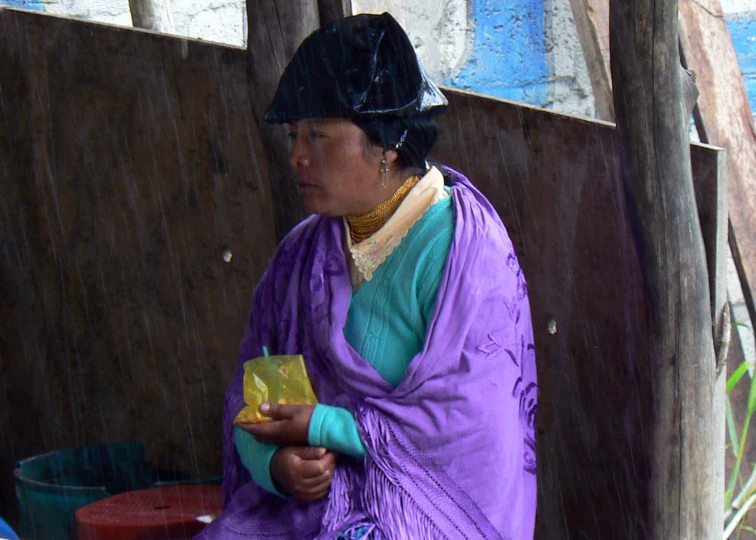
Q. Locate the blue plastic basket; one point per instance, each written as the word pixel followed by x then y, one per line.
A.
pixel 51 487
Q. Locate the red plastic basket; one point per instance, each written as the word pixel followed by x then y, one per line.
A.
pixel 174 512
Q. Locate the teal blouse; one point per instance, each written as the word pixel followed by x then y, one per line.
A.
pixel 387 325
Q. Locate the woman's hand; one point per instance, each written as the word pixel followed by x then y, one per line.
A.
pixel 305 473
pixel 289 426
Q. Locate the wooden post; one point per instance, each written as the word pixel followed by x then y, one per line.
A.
pixel 591 19
pixel 152 15
pixel 724 118
pixel 723 115
pixel 712 200
pixel 275 30
pixel 652 121
pixel 332 10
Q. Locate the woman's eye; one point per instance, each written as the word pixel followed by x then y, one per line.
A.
pixel 316 135
pixel 292 136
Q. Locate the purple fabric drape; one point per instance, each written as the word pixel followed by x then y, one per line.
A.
pixel 451 450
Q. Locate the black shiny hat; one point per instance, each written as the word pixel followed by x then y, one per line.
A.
pixel 361 66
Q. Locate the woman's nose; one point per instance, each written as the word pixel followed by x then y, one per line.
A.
pixel 299 156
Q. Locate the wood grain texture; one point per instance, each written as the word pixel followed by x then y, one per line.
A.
pixel 592 23
pixel 129 162
pixel 275 30
pixel 652 122
pixel 556 182
pixel 152 15
pixel 332 10
pixel 723 114
pixel 725 119
pixel 710 179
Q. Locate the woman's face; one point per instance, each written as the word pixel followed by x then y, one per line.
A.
pixel 338 170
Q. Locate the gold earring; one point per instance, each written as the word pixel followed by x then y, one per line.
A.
pixel 384 171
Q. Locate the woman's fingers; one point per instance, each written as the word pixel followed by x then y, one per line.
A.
pixel 315 492
pixel 255 429
pixel 330 458
pixel 289 426
pixel 312 478
pixel 322 483
pixel 309 452
pixel 283 411
pixel 305 472
pixel 316 496
pixel 276 432
pixel 312 468
pixel 277 411
pixel 315 481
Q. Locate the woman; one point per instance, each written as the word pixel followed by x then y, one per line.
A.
pixel 405 297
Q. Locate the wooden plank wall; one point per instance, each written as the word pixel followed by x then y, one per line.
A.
pixel 128 165
pixel 592 22
pixel 722 115
pixel 555 180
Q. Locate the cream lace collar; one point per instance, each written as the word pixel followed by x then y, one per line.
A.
pixel 369 254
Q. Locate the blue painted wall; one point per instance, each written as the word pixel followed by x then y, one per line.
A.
pixel 37 5
pixel 744 39
pixel 508 59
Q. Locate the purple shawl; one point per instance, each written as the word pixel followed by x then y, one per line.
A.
pixel 451 450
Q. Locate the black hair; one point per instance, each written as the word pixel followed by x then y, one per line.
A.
pixel 412 138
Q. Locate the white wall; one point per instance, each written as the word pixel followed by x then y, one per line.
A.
pixel 442 31
pixel 738 6
pixel 570 88
pixel 222 21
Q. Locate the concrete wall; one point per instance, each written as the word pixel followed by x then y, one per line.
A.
pixel 524 50
pixel 442 31
pixel 222 21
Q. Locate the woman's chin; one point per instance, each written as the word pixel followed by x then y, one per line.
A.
pixel 313 206
pixel 317 205
pixel 310 206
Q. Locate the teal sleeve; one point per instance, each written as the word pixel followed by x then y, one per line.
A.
pixel 334 428
pixel 432 272
pixel 256 458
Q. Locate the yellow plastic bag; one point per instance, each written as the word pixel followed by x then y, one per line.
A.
pixel 276 379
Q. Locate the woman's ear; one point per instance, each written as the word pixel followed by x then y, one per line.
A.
pixel 391 156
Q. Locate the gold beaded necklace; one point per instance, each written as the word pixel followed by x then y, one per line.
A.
pixel 366 225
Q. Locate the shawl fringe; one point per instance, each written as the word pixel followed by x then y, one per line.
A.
pixel 339 507
pixel 383 497
pixel 393 509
